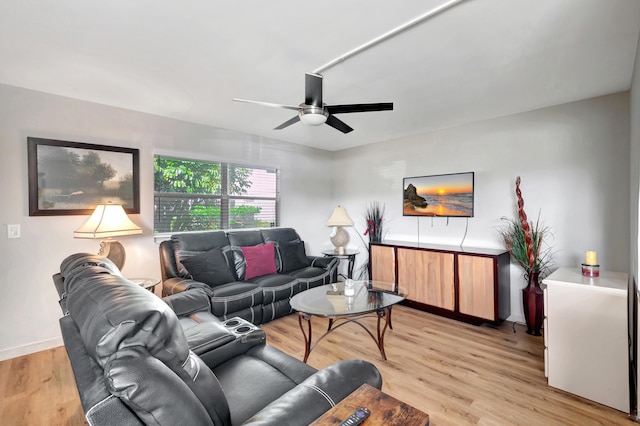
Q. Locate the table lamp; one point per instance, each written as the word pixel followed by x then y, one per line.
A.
pixel 339 236
pixel 106 221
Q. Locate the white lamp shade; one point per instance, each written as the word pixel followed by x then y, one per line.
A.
pixel 107 220
pixel 339 217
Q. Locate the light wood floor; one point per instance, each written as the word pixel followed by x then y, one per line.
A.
pixel 460 374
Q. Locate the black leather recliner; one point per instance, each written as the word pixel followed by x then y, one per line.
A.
pixel 138 359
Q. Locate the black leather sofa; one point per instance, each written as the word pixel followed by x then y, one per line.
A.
pixel 138 359
pixel 220 263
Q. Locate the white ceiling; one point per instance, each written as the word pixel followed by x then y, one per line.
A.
pixel 187 60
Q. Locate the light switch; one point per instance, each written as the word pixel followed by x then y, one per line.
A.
pixel 13 231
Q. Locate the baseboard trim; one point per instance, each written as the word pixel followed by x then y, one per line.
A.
pixel 30 348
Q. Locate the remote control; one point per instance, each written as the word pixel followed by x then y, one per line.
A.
pixel 357 417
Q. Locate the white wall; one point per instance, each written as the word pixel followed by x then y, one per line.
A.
pixel 29 311
pixel 573 160
pixel 634 197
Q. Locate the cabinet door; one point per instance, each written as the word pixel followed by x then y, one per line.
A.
pixel 476 291
pixel 427 277
pixel 383 264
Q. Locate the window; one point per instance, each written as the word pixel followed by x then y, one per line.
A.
pixel 194 195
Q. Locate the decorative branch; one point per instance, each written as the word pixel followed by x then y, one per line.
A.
pixel 374 218
pixel 525 240
pixel 525 226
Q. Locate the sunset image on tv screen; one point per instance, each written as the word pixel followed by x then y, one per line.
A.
pixel 439 195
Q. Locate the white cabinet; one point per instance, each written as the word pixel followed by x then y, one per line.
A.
pixel 585 334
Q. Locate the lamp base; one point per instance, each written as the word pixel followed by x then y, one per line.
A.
pixel 339 238
pixel 114 251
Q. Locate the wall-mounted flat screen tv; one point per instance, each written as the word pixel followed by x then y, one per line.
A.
pixel 449 195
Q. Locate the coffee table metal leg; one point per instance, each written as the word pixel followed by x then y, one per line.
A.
pixel 330 324
pixel 307 335
pixel 386 314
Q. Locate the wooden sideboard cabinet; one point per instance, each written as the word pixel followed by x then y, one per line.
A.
pixel 472 284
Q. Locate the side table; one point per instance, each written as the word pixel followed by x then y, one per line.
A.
pixel 385 410
pixel 147 283
pixel 350 255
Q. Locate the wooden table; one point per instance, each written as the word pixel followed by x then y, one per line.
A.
pixel 385 410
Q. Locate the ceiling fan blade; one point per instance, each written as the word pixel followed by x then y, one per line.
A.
pixel 338 124
pixel 313 89
pixel 268 104
pixel 343 109
pixel 288 123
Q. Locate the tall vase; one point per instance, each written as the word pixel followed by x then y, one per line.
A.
pixel 533 301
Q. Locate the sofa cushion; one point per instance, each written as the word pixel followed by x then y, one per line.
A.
pixel 277 287
pixel 192 243
pixel 210 267
pixel 235 288
pixel 245 238
pixel 236 297
pixel 236 258
pixel 199 241
pixel 260 260
pixel 291 256
pixel 308 272
pixel 279 235
pixel 277 371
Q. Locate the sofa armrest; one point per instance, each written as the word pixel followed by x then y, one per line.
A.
pixel 318 393
pixel 141 381
pixel 325 262
pixel 215 341
pixel 99 406
pixel 177 285
pixel 188 302
pixel 239 344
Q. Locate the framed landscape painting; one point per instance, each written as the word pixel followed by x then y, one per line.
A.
pixel 72 178
pixel 449 195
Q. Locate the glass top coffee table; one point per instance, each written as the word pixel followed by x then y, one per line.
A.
pixel 330 302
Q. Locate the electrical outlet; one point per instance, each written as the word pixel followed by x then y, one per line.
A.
pixel 13 231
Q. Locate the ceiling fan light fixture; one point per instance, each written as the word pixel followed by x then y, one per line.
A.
pixel 313 116
pixel 314 112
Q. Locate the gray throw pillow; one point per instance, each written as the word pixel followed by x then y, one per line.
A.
pixel 292 256
pixel 210 267
pixel 236 260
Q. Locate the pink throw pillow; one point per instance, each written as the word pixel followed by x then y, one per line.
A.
pixel 260 260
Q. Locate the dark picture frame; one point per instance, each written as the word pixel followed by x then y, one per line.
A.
pixel 72 178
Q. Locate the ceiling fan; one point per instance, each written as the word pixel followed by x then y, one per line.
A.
pixel 314 112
